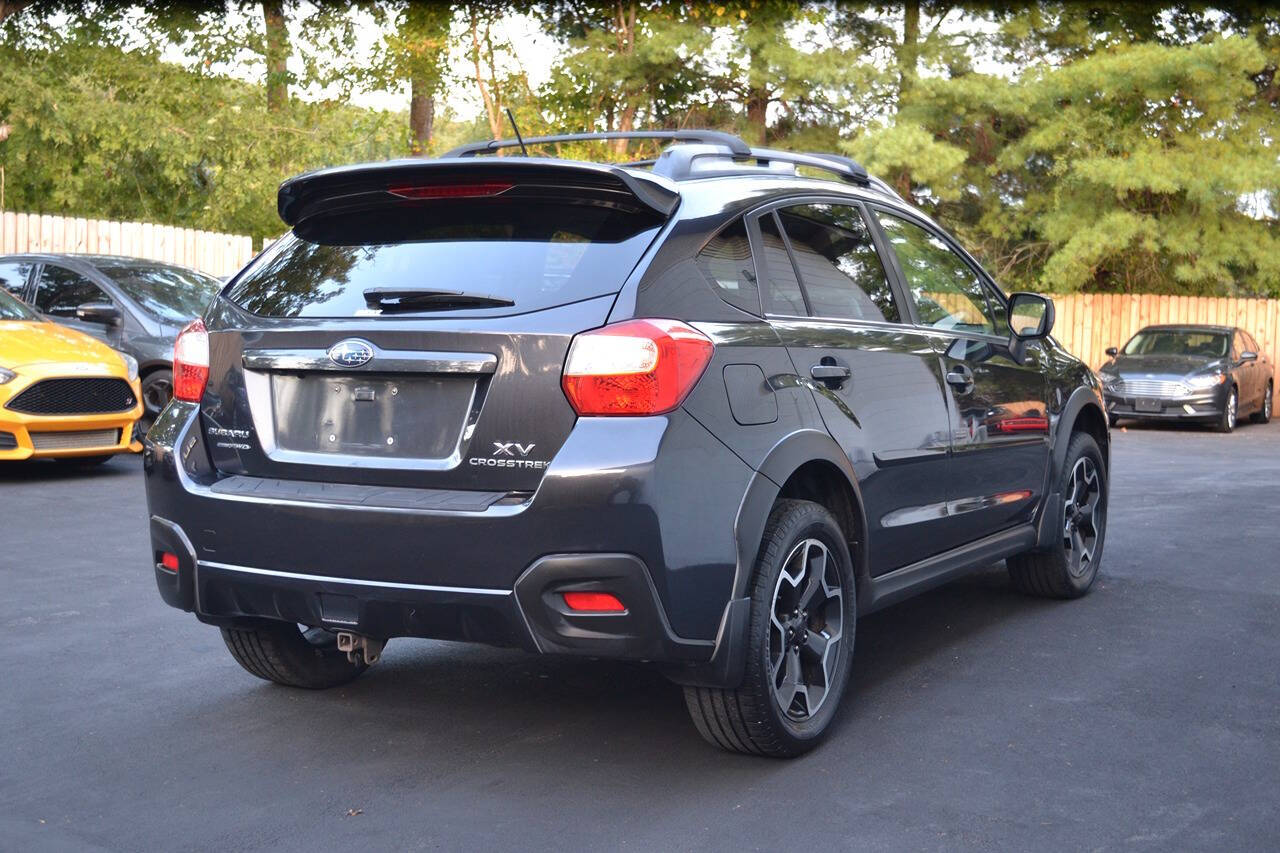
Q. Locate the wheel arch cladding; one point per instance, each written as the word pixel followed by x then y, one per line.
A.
pixel 1082 413
pixel 806 465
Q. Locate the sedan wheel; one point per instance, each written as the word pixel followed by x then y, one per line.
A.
pixel 157 389
pixel 1228 420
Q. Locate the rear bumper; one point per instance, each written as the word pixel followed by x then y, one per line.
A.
pixel 598 521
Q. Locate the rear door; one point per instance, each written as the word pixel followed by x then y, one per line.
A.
pixel 417 341
pixel 998 408
pixel 876 380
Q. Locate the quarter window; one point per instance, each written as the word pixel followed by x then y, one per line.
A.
pixel 782 292
pixel 840 271
pixel 62 291
pixel 947 292
pixel 726 263
pixel 13 277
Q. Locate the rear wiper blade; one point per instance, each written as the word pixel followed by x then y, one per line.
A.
pixel 400 299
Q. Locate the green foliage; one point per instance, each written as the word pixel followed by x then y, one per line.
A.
pixel 101 132
pixel 1115 146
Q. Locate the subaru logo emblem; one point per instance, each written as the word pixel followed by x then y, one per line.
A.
pixel 350 353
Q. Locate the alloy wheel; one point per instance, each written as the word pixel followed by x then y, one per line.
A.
pixel 806 629
pixel 1233 405
pixel 155 395
pixel 1083 517
pixel 1266 405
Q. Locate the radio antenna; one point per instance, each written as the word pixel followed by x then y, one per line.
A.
pixel 524 151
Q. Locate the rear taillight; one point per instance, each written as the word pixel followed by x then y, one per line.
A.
pixel 191 362
pixel 636 367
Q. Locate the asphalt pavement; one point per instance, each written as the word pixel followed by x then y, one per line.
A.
pixel 1144 716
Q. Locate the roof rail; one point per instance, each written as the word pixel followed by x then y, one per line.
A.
pixel 736 146
pixel 847 168
pixel 682 162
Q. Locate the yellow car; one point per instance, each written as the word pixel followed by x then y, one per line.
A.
pixel 62 394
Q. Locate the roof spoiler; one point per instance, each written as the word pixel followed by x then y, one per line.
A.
pixel 327 190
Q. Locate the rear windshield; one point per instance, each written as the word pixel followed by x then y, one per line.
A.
pixel 1165 342
pixel 170 294
pixel 534 252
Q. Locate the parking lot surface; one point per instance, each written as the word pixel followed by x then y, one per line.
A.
pixel 1145 716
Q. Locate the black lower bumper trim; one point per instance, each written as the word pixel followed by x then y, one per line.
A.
pixel 639 632
pixel 231 594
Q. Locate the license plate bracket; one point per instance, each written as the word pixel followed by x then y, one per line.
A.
pixel 1146 404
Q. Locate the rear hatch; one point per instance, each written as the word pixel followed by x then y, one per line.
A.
pixel 411 329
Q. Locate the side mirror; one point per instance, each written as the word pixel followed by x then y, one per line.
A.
pixel 98 312
pixel 1248 355
pixel 1030 319
pixel 1113 351
pixel 1030 316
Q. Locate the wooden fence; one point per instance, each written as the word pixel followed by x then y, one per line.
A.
pixel 1088 323
pixel 207 251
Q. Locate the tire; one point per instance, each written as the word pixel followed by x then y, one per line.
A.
pixel 1112 420
pixel 1227 421
pixel 157 390
pixel 281 652
pixel 1263 415
pixel 84 461
pixel 803 541
pixel 1069 569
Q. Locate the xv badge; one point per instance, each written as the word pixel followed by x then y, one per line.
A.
pixel 506 448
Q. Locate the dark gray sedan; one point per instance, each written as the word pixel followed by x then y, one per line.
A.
pixel 134 306
pixel 1209 374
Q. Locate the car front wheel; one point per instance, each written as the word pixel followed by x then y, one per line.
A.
pixel 799 645
pixel 1227 421
pixel 1070 566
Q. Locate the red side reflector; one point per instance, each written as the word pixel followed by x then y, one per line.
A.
pixel 595 602
pixel 169 561
pixel 451 190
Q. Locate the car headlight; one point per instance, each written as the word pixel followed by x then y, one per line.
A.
pixel 1202 382
pixel 6 375
pixel 130 364
pixel 1110 380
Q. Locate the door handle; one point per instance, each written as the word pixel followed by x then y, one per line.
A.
pixel 960 377
pixel 832 375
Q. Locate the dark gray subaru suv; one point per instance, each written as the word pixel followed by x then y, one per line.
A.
pixel 702 411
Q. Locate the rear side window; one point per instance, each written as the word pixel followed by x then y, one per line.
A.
pixel 782 291
pixel 13 277
pixel 534 251
pixel 839 267
pixel 726 263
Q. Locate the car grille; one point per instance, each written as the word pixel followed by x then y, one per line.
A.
pixel 8 441
pixel 77 440
pixel 88 396
pixel 1152 388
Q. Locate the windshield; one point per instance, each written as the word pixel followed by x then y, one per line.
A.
pixel 170 294
pixel 532 252
pixel 12 309
pixel 1177 342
